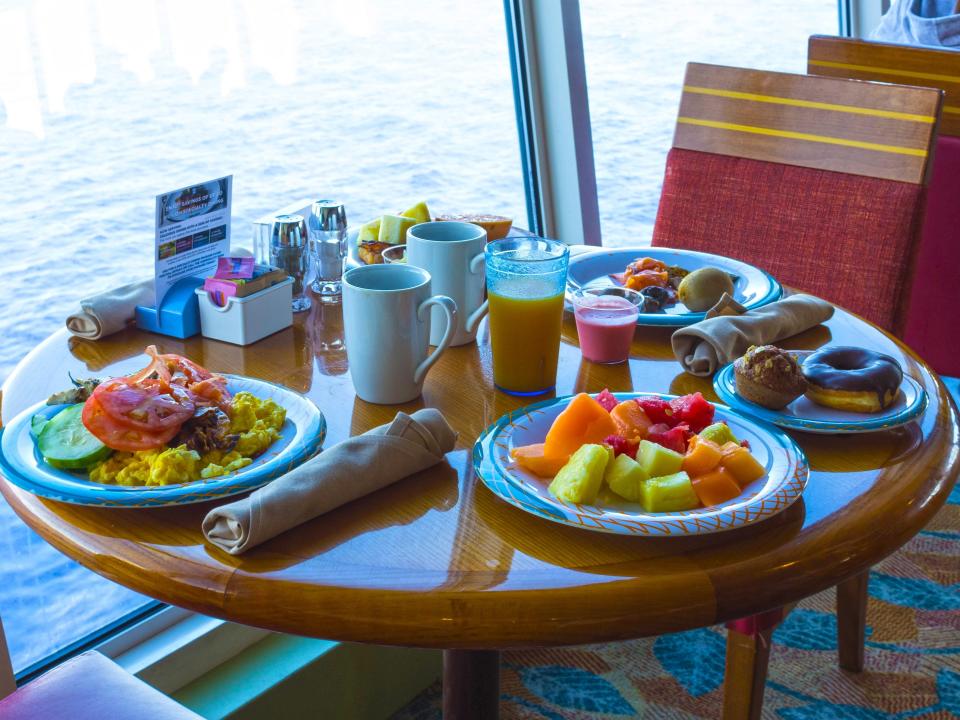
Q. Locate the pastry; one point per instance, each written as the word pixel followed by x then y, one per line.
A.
pixel 496 226
pixel 852 379
pixel 769 376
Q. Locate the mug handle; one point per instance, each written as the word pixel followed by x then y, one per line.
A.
pixel 449 308
pixel 477 265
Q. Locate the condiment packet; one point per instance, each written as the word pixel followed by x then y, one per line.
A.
pixel 234 268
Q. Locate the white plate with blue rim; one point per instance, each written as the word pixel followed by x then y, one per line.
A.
pixel 806 415
pixel 785 463
pixel 752 286
pixel 301 437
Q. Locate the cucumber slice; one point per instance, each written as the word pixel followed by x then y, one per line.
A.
pixel 66 444
pixel 37 423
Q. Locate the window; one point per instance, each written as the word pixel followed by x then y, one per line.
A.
pixel 107 103
pixel 635 55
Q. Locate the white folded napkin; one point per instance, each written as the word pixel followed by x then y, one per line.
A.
pixel 111 311
pixel 345 472
pixel 720 339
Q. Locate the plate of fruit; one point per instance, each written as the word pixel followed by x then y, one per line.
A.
pixel 677 286
pixel 368 241
pixel 640 464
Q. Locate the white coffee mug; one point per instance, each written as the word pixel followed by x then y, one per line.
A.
pixel 386 325
pixel 452 252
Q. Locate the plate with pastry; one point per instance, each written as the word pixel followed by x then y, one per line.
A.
pixel 367 243
pixel 836 389
pixel 678 286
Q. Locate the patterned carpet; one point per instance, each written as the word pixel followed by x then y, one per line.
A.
pixel 912 657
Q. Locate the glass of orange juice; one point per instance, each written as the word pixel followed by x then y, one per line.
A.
pixel 526 280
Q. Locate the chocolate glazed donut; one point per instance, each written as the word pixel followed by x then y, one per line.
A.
pixel 852 378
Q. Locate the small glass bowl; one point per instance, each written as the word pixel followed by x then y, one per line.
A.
pixel 395 254
pixel 606 329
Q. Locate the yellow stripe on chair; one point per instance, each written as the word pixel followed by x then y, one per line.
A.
pixel 808 137
pixel 795 102
pixel 886 71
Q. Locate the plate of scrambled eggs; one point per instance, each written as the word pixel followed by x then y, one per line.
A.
pixel 272 430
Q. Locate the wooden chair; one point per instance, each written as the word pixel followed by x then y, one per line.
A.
pixel 86 687
pixel 818 180
pixel 821 182
pixel 934 302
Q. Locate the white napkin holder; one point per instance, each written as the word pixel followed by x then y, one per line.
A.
pixel 244 320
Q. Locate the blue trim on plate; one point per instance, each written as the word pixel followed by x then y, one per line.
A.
pixel 305 432
pixel 724 384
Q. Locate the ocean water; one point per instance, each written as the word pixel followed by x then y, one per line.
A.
pixel 106 103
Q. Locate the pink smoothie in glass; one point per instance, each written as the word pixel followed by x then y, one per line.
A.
pixel 605 324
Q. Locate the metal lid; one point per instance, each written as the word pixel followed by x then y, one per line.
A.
pixel 328 215
pixel 289 230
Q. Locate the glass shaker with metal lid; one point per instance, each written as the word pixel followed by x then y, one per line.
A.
pixel 327 226
pixel 289 251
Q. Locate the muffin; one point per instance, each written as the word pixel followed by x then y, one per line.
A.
pixel 769 376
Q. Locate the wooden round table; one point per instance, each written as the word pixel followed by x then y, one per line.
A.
pixel 438 561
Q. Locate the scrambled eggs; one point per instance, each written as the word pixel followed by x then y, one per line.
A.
pixel 256 421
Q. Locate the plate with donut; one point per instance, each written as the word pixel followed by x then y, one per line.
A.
pixel 836 389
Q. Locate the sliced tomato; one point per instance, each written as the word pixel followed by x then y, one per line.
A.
pixel 121 437
pixel 145 405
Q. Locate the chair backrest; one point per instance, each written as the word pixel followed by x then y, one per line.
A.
pixel 931 310
pixel 818 180
pixel 883 62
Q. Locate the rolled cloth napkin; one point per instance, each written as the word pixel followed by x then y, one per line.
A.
pixel 111 311
pixel 345 472
pixel 718 340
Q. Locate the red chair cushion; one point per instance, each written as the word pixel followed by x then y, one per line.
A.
pixel 90 687
pixel 933 315
pixel 847 238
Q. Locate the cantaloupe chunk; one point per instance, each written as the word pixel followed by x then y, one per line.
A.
pixel 631 421
pixel 532 458
pixel 743 466
pixel 583 421
pixel 715 487
pixel 702 456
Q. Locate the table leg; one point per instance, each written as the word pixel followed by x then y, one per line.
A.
pixel 852 621
pixel 471 684
pixel 748 654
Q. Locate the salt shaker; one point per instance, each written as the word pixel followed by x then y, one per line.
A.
pixel 327 226
pixel 289 251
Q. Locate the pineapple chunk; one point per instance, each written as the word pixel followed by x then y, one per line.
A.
pixel 580 479
pixel 393 229
pixel 670 493
pixel 419 212
pixel 625 477
pixel 369 232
